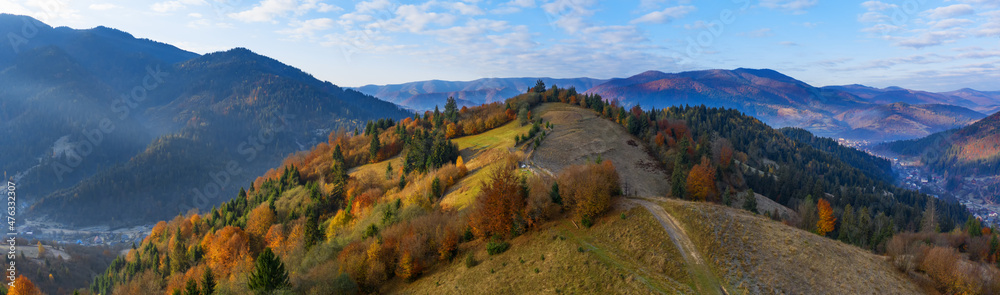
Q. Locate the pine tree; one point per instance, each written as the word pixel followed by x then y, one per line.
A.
pixel 750 201
pixel 191 288
pixel 678 180
pixel 973 227
pixel 373 148
pixel 848 227
pixel 929 222
pixel 269 274
pixel 338 156
pixel 554 194
pixel 451 109
pixel 388 171
pixel 312 232
pixel 208 282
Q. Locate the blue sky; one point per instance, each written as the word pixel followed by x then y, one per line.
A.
pixel 920 44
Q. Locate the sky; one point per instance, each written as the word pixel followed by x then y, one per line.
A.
pixel 919 44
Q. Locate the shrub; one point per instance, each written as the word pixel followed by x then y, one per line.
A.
pixel 370 231
pixel 470 260
pixel 586 221
pixel 588 188
pixel 497 247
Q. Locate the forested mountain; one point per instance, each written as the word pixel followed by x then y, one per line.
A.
pixel 377 212
pixel 897 94
pixel 969 151
pixel 852 112
pixel 900 120
pixel 110 128
pixel 425 95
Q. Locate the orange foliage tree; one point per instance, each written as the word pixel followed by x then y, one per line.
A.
pixel 259 220
pixel 499 203
pixel 826 219
pixel 701 182
pixel 226 248
pixel 23 286
pixel 588 188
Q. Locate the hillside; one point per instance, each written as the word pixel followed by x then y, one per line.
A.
pixel 403 209
pixel 968 151
pixel 900 120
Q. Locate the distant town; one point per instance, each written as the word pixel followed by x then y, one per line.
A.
pixel 978 194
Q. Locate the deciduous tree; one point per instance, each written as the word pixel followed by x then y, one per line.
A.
pixel 499 203
pixel 259 220
pixel 826 219
pixel 701 182
pixel 23 286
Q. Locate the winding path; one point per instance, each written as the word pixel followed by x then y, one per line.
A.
pixel 702 277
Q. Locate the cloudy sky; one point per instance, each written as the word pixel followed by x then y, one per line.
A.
pixel 921 44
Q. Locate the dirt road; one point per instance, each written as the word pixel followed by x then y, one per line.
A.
pixel 704 280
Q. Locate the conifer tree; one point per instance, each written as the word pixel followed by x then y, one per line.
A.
pixel 750 201
pixel 269 274
pixel 191 287
pixel 208 282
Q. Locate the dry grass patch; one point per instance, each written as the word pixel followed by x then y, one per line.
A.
pixel 616 256
pixel 760 256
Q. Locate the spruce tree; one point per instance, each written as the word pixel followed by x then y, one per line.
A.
pixel 269 274
pixel 373 148
pixel 554 194
pixel 191 288
pixel 312 233
pixel 750 201
pixel 208 282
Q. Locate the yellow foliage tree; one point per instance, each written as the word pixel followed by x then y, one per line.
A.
pixel 826 219
pixel 41 250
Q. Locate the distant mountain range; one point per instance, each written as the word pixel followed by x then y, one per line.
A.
pixel 854 112
pixel 425 95
pixel 106 123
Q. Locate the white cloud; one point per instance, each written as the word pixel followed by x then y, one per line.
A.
pixel 466 9
pixel 415 18
pixel 266 11
pixel 102 6
pixel 307 28
pixel 872 17
pixel 513 6
pixel 950 11
pixel 522 3
pixel 759 33
pixel 269 10
pixel 789 43
pixel 949 23
pixel 570 15
pixel 877 5
pixel 793 6
pixel 929 39
pixel 169 6
pixel 664 16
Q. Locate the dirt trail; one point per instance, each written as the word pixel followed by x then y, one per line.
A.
pixel 703 278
